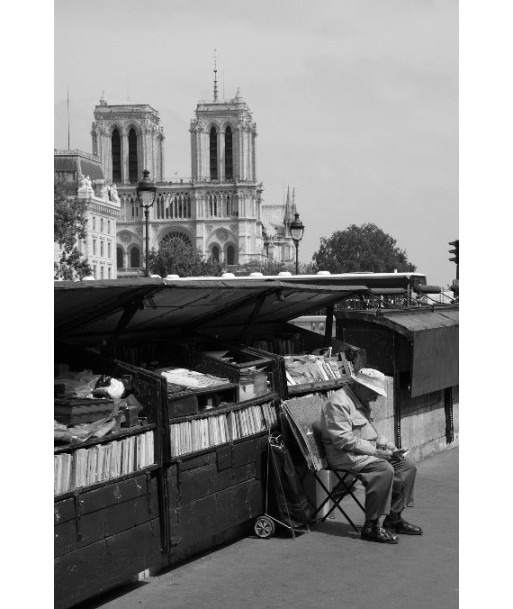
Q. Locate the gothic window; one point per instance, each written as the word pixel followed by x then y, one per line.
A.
pixel 230 255
pixel 174 235
pixel 213 154
pixel 108 250
pixel 116 156
pixel 119 257
pixel 215 253
pixel 101 272
pixel 94 223
pixel 228 152
pixel 134 258
pixel 133 172
pixel 108 226
pixel 101 225
pixel 101 248
pixel 94 247
pixel 109 271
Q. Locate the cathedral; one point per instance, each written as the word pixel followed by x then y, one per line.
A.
pixel 219 209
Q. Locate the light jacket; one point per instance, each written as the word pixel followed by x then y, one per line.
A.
pixel 349 438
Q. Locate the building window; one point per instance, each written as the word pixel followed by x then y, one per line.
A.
pixel 108 271
pixel 230 255
pixel 101 272
pixel 119 257
pixel 213 154
pixel 133 172
pixel 135 261
pixel 228 154
pixel 215 253
pixel 101 225
pixel 116 156
pixel 108 227
pixel 96 271
pixel 94 222
pixel 101 249
pixel 108 249
pixel 94 247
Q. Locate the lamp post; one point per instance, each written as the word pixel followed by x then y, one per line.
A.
pixel 297 229
pixel 146 192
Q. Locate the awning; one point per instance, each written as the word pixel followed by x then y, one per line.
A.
pixel 95 310
pixel 434 338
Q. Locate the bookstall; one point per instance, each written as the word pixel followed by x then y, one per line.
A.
pixel 417 347
pixel 180 471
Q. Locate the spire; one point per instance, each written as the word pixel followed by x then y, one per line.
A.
pixel 215 74
pixel 67 110
pixel 293 208
pixel 288 215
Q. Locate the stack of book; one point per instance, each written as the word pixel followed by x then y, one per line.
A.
pixel 201 433
pixel 305 369
pixel 86 466
pixel 281 345
pixel 72 411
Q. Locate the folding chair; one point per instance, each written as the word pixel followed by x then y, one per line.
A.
pixel 303 416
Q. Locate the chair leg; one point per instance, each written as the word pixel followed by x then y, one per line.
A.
pixel 336 503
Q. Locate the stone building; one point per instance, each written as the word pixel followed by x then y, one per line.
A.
pixel 278 243
pixel 218 209
pixel 83 177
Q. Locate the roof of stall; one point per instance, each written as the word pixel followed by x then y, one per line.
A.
pixel 93 310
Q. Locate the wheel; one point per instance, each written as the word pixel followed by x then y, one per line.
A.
pixel 264 527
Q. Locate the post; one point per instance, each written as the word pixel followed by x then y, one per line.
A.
pixel 147 269
pixel 296 243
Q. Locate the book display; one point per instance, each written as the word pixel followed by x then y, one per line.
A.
pixel 106 457
pixel 164 400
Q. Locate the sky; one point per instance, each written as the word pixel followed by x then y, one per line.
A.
pixel 355 101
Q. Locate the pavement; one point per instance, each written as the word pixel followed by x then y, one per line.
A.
pixel 330 566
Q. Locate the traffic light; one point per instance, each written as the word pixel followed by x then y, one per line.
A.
pixel 455 251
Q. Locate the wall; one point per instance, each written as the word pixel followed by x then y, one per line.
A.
pixel 423 421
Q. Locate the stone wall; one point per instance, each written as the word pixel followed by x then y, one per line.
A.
pixel 423 421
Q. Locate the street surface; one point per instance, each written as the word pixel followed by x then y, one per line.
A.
pixel 330 567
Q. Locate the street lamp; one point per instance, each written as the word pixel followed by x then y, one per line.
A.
pixel 146 192
pixel 297 228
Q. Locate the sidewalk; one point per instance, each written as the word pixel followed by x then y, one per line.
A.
pixel 327 568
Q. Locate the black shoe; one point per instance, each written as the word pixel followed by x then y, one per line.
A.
pixel 379 534
pixel 401 526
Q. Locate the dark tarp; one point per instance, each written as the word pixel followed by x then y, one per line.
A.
pixel 434 339
pixel 92 310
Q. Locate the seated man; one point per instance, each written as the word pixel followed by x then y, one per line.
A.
pixel 353 444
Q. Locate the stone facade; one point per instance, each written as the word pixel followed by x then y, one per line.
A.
pixel 218 209
pixel 82 174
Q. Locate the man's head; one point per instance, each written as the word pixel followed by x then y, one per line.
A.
pixel 368 384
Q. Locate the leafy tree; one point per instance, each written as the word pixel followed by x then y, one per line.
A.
pixel 181 258
pixel 69 225
pixel 268 267
pixel 359 249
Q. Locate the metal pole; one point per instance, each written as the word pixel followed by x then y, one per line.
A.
pixel 296 243
pixel 147 269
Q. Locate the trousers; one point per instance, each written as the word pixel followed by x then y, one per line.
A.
pixel 388 486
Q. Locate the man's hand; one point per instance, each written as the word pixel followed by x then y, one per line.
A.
pixel 383 453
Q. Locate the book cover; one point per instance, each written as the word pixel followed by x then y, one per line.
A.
pixel 150 449
pixel 131 454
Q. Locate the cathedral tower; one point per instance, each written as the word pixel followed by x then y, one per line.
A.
pixel 223 141
pixel 128 139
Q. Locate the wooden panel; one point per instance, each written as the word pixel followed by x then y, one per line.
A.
pixel 197 483
pixel 92 570
pixel 105 522
pixel 199 461
pixel 243 453
pixel 224 457
pixel 64 510
pixel 117 492
pixel 246 472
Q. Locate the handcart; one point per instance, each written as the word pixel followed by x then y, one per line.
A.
pixel 288 499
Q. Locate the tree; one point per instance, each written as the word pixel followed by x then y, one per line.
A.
pixel 181 258
pixel 361 249
pixel 69 225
